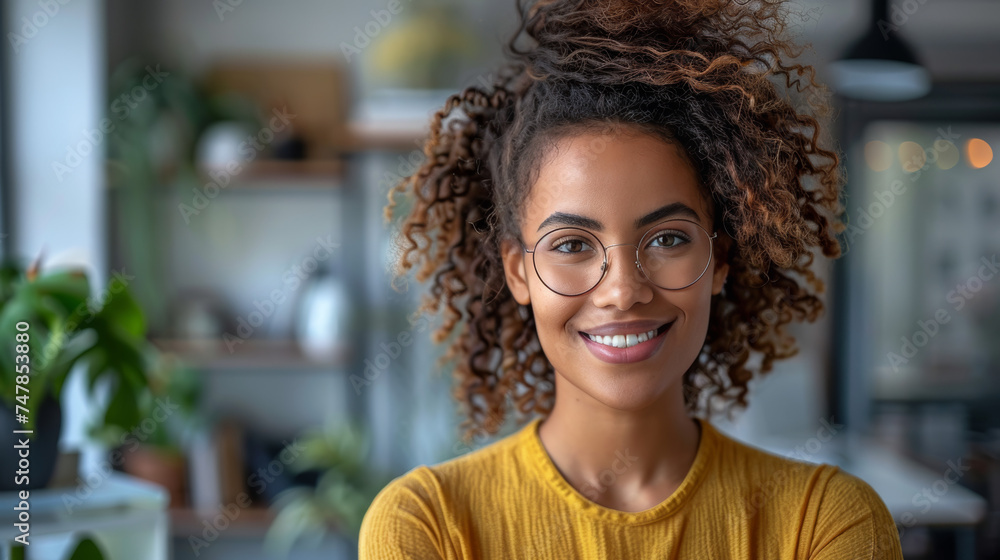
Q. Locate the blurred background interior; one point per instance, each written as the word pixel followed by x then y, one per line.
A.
pixel 219 171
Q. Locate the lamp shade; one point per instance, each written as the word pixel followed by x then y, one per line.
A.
pixel 880 66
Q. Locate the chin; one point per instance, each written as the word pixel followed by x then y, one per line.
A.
pixel 629 395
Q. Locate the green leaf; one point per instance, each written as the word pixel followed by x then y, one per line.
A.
pixel 70 288
pixel 122 410
pixel 134 376
pixel 59 370
pixel 12 273
pixel 15 311
pixel 127 362
pixel 72 352
pixel 87 549
pixel 48 346
pixel 124 314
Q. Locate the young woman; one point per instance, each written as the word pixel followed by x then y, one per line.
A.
pixel 606 226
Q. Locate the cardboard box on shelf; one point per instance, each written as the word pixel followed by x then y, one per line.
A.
pixel 315 92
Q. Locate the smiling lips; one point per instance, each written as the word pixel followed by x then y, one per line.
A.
pixel 623 340
pixel 626 348
pixel 626 340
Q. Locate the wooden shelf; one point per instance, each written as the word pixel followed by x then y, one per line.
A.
pixel 250 355
pixel 252 521
pixel 398 136
pixel 269 173
pixel 331 172
pixel 307 168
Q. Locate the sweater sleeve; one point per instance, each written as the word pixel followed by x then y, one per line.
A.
pixel 400 523
pixel 854 523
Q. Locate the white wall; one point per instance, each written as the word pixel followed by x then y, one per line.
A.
pixel 192 34
pixel 57 95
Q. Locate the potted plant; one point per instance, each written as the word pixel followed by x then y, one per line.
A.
pixel 86 548
pixel 154 449
pixel 50 324
pixel 344 490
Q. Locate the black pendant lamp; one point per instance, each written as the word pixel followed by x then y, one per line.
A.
pixel 880 66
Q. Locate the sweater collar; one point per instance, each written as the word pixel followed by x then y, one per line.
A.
pixel 539 462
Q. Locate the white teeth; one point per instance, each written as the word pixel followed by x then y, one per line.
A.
pixel 623 340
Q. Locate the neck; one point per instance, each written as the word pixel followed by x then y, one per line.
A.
pixel 616 456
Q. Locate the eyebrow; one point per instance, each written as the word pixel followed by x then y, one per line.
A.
pixel 575 220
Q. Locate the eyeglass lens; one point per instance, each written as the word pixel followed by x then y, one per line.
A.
pixel 672 255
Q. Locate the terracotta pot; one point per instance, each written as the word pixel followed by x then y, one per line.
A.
pixel 165 467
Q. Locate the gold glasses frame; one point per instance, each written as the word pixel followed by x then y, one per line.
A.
pixel 638 264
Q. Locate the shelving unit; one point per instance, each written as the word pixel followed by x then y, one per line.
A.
pixel 234 251
pixel 327 172
pixel 264 221
pixel 251 522
pixel 249 354
pixel 294 169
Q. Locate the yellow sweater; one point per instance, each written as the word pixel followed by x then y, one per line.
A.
pixel 508 500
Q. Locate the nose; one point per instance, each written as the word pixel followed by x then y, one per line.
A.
pixel 624 283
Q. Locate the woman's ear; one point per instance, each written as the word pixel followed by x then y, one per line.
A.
pixel 514 270
pixel 721 263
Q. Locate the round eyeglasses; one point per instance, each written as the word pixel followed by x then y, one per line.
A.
pixel 672 255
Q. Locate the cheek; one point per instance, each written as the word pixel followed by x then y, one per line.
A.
pixel 553 315
pixel 696 306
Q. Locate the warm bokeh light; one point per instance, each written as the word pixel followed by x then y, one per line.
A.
pixel 912 156
pixel 878 155
pixel 978 153
pixel 947 154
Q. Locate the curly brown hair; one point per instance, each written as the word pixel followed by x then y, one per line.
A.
pixel 707 75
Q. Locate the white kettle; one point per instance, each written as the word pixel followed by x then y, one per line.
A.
pixel 323 317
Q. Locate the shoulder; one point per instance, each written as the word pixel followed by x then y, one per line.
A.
pixel 756 470
pixel 765 477
pixel 415 510
pixel 849 502
pixel 843 491
pixel 835 513
pixel 417 486
pixel 748 465
pixel 459 474
pixel 401 521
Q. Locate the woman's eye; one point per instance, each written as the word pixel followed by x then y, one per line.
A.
pixel 669 240
pixel 571 246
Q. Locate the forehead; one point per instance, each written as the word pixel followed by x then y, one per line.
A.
pixel 614 178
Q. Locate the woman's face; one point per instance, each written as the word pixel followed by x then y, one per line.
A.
pixel 613 180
